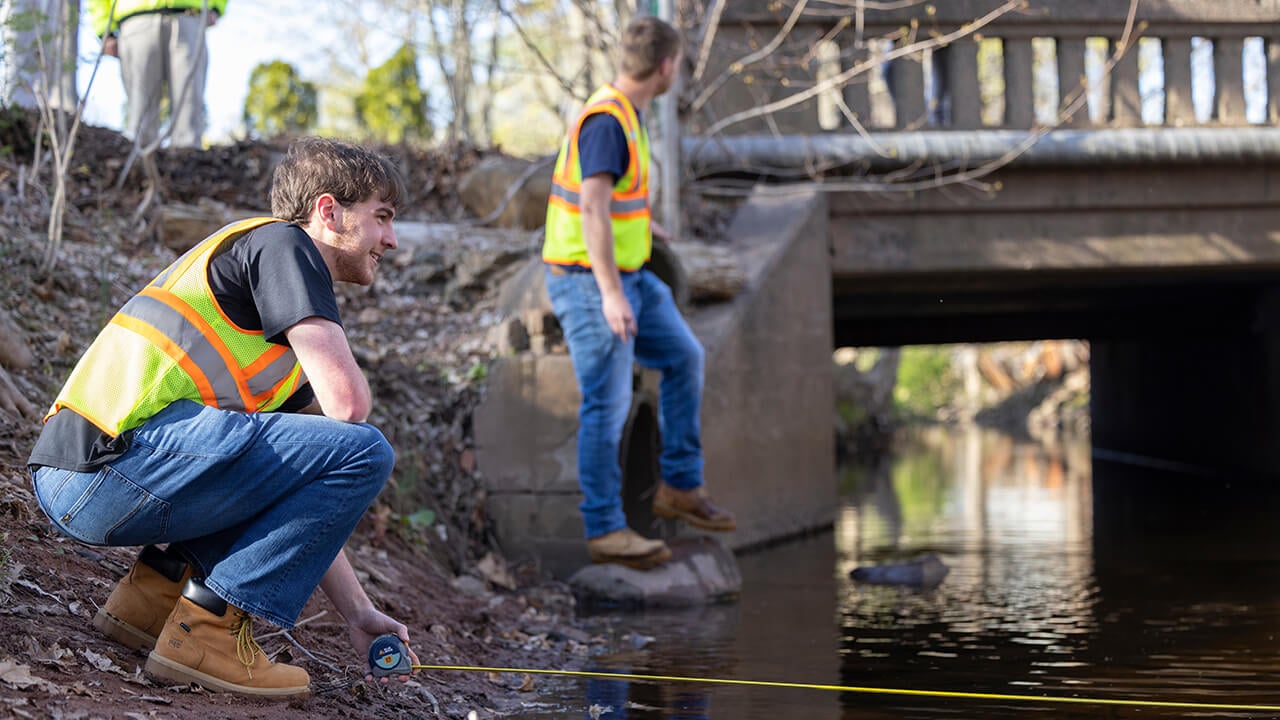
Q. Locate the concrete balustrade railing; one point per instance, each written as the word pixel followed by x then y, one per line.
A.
pixel 926 68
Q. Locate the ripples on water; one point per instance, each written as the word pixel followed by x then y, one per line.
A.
pixel 1169 594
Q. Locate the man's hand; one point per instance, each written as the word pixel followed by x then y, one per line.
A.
pixel 659 233
pixel 369 624
pixel 617 312
pixel 111 46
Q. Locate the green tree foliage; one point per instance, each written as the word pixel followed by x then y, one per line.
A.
pixel 926 381
pixel 279 101
pixel 392 106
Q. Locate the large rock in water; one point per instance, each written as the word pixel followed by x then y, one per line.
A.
pixel 923 572
pixel 701 571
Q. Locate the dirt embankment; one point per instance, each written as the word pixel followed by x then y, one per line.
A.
pixel 425 550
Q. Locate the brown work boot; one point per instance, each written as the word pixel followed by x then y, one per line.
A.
pixel 628 547
pixel 208 642
pixel 692 506
pixel 142 600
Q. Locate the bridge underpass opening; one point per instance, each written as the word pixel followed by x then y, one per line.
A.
pixel 1183 373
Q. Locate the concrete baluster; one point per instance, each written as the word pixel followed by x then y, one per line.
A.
pixel 1179 109
pixel 1019 93
pixel 1273 81
pixel 962 85
pixel 1072 80
pixel 1126 97
pixel 906 83
pixel 857 92
pixel 1228 81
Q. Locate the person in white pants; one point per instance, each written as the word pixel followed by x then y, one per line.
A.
pixel 162 49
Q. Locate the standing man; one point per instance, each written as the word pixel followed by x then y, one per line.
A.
pixel 161 46
pixel 222 412
pixel 614 312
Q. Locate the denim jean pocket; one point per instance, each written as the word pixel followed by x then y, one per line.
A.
pixel 102 507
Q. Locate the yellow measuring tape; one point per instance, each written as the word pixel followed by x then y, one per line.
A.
pixel 867 690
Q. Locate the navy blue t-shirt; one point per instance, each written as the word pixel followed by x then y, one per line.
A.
pixel 602 147
pixel 269 279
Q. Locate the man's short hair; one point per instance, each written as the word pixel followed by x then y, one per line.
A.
pixel 314 166
pixel 646 42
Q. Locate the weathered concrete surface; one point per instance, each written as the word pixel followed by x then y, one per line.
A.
pixel 1068 219
pixel 526 432
pixel 768 407
pixel 1056 251
pixel 700 571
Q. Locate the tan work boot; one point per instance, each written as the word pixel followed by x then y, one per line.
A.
pixel 692 506
pixel 208 642
pixel 628 547
pixel 142 600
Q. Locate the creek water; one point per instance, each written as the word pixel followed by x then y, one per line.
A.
pixel 1069 577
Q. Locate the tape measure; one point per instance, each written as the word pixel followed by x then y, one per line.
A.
pixel 388 656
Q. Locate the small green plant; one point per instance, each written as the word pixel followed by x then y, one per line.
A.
pixel 477 372
pixel 413 527
pixel 421 520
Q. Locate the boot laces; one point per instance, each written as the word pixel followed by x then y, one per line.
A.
pixel 247 648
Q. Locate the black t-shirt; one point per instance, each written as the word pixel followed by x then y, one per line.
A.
pixel 269 279
pixel 602 147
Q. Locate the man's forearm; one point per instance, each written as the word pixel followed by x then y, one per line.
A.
pixel 343 589
pixel 599 236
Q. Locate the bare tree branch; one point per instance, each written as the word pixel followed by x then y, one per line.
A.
pixel 708 37
pixel 532 47
pixel 736 67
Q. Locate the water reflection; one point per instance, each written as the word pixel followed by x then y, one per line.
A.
pixel 1067 579
pixel 1013 522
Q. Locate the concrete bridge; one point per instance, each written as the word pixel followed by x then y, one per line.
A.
pixel 933 199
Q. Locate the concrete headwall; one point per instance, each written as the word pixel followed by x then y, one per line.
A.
pixel 767 415
pixel 768 407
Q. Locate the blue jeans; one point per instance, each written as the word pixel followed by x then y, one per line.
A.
pixel 603 364
pixel 260 504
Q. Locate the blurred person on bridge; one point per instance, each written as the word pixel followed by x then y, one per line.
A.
pixel 221 412
pixel 615 312
pixel 162 49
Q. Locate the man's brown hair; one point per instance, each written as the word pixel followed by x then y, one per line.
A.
pixel 314 166
pixel 646 42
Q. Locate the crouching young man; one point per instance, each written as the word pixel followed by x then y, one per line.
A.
pixel 221 411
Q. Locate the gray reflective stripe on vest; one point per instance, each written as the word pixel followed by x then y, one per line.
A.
pixel 277 370
pixel 615 206
pixel 182 332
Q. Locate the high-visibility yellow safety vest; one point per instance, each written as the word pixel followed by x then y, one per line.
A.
pixel 172 342
pixel 565 242
pixel 106 15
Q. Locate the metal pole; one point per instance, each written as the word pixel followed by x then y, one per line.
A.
pixel 670 142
